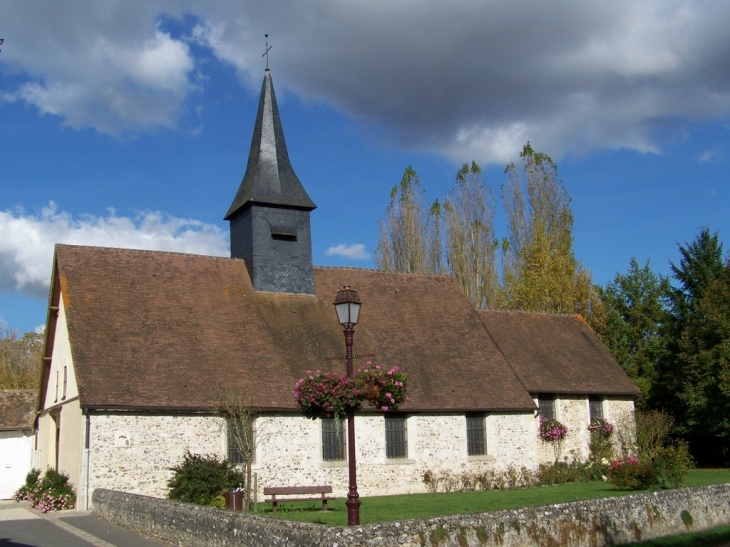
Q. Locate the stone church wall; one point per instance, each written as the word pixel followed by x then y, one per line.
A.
pixel 573 412
pixel 133 452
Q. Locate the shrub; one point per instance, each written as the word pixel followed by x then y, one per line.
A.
pixel 631 474
pixel 671 464
pixel 201 479
pixel 51 493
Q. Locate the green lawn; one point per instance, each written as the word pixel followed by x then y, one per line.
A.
pixel 389 508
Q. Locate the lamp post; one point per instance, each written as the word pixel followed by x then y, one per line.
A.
pixel 347 305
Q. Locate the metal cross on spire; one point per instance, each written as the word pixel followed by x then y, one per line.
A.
pixel 268 47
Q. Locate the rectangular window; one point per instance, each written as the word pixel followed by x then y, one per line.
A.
pixel 56 399
pixel 595 407
pixel 241 442
pixel 333 440
pixel 65 380
pixel 476 438
pixel 546 405
pixel 396 437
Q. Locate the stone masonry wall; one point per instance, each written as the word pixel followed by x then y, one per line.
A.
pixel 133 453
pixel 573 412
pixel 594 523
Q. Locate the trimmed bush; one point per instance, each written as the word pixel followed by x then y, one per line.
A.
pixel 202 479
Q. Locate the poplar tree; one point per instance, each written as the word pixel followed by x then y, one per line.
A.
pixel 471 244
pixel 409 239
pixel 540 271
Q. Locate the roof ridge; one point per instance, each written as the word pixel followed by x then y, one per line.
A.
pixel 528 312
pixel 141 251
pixel 389 272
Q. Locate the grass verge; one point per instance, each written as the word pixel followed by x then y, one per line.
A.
pixel 389 508
pixel 715 537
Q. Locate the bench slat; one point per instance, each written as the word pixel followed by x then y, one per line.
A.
pixel 291 490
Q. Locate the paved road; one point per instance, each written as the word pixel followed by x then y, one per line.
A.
pixel 21 526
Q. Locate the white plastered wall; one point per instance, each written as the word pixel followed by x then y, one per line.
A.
pixel 61 406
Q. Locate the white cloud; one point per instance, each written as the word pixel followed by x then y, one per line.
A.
pixel 26 248
pixel 107 66
pixel 354 251
pixel 468 80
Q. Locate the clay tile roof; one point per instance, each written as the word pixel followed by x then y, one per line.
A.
pixel 162 330
pixel 556 353
pixel 17 408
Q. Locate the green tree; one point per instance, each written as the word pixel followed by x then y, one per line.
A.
pixel 21 358
pixel 471 244
pixel 540 271
pixel 700 263
pixel 703 364
pixel 408 229
pixel 635 314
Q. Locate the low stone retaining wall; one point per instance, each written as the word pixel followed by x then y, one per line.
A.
pixel 594 523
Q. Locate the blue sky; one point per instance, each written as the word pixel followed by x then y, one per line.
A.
pixel 128 123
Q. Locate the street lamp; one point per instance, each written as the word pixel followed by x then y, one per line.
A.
pixel 347 305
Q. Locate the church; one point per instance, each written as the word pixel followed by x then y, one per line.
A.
pixel 141 346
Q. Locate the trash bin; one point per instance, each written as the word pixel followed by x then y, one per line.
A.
pixel 234 500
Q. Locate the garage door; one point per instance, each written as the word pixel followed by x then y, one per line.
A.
pixel 15 454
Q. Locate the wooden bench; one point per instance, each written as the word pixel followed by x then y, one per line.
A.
pixel 298 491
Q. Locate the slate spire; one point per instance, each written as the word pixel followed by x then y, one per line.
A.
pixel 269 177
pixel 269 216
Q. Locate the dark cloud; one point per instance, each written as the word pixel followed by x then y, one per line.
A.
pixel 466 79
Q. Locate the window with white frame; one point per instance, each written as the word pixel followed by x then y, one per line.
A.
pixel 396 437
pixel 476 435
pixel 333 440
pixel 546 406
pixel 595 407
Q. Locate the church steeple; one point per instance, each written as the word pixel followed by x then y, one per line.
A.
pixel 269 176
pixel 269 215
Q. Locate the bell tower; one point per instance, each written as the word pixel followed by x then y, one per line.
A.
pixel 269 216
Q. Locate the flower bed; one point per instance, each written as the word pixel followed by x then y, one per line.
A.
pixel 51 493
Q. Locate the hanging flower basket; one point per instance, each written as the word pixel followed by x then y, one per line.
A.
pixel 600 428
pixel 551 430
pixel 383 389
pixel 326 395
